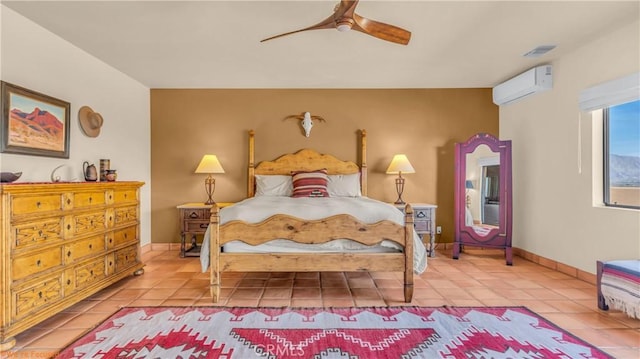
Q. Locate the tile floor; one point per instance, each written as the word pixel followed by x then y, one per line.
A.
pixel 479 278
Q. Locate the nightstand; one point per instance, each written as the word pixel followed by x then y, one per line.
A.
pixel 194 220
pixel 424 221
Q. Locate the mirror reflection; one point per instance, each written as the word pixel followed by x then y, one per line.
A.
pixel 482 187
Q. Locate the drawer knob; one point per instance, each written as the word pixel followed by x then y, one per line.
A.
pixel 40 295
pixel 204 226
pixel 38 204
pixel 68 200
pixel 90 246
pixel 68 281
pixel 193 215
pixel 90 199
pixel 69 254
pixel 38 262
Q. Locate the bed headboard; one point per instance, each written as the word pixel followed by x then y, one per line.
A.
pixel 306 160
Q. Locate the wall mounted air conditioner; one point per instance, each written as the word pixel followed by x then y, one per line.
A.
pixel 530 82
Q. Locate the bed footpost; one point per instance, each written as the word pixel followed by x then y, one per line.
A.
pixel 214 253
pixel 251 183
pixel 408 254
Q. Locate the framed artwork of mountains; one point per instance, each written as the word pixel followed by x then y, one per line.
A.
pixel 33 123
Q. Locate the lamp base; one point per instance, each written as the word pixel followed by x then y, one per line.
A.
pixel 399 189
pixel 210 187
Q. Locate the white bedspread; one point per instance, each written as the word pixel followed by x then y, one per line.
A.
pixel 366 210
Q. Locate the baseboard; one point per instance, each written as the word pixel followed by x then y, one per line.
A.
pixel 159 247
pixel 545 262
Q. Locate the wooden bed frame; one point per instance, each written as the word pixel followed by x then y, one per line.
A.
pixel 310 231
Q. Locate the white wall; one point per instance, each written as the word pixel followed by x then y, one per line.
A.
pixel 554 211
pixel 39 60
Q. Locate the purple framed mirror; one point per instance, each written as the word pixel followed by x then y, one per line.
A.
pixel 483 194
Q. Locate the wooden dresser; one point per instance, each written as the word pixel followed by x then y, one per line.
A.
pixel 62 242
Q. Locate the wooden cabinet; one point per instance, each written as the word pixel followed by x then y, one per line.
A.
pixel 194 220
pixel 424 222
pixel 62 242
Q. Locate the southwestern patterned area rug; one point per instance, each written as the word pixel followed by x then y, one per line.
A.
pixel 349 333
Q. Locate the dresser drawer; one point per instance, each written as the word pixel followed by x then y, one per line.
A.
pixel 37 232
pixel 83 275
pixel 21 205
pixel 31 298
pixel 124 215
pixel 88 199
pixel 126 257
pixel 125 196
pixel 422 214
pixel 196 213
pixel 422 226
pixel 32 263
pixel 84 248
pixel 89 223
pixel 124 236
pixel 195 226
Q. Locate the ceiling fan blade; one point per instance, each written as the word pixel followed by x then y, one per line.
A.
pixel 344 9
pixel 327 23
pixel 381 30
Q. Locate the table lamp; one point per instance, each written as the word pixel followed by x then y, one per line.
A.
pixel 400 164
pixel 209 164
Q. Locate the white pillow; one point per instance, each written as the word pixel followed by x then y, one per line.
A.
pixel 274 185
pixel 344 185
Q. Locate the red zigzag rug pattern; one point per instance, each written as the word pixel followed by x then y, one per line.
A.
pixel 300 333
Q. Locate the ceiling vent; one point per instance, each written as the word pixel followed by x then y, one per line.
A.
pixel 539 51
pixel 528 83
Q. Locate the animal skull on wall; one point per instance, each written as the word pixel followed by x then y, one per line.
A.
pixel 306 121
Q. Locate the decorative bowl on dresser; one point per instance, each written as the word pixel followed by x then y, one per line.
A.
pixel 61 243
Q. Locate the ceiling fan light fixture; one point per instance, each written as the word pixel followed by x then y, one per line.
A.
pixel 344 25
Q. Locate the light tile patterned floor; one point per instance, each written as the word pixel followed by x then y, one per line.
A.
pixel 479 278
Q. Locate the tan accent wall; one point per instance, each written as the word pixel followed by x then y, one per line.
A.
pixel 422 123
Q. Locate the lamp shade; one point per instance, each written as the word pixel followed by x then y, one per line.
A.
pixel 209 164
pixel 468 184
pixel 400 164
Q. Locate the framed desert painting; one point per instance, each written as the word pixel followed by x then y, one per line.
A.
pixel 33 123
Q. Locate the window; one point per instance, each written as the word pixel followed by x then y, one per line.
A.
pixel 622 155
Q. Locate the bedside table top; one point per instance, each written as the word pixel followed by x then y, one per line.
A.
pixel 198 205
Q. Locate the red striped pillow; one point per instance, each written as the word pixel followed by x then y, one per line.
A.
pixel 310 183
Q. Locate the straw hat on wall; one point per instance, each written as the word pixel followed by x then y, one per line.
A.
pixel 90 121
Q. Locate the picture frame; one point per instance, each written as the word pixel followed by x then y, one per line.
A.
pixel 33 123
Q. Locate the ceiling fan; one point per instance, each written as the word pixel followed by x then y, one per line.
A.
pixel 344 18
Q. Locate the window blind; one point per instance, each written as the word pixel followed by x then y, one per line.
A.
pixel 615 92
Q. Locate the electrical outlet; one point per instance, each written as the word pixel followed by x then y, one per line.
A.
pixel 439 230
